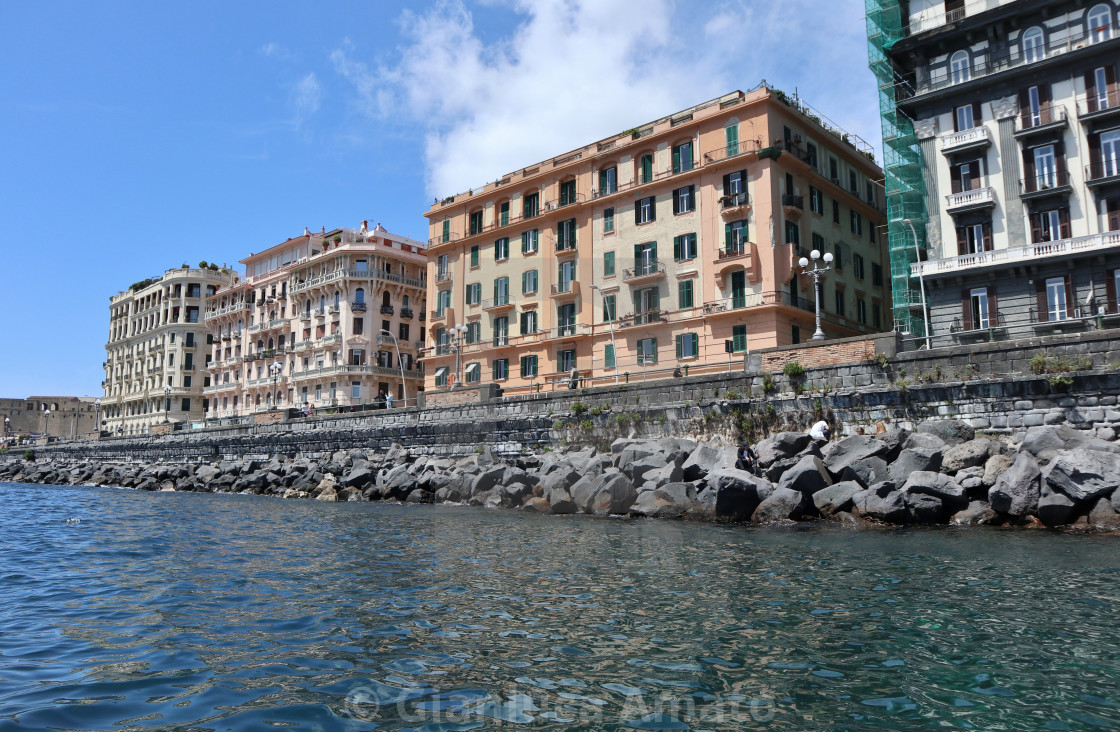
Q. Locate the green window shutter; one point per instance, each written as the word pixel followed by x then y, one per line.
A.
pixel 474 256
pixel 637 252
pixel 679 340
pixel 676 249
pixel 656 299
pixel 695 344
pixel 608 264
pixel 676 160
pixel 727 237
pixel 608 356
pixel 653 349
pixel 524 282
pixel 733 140
pixel 653 251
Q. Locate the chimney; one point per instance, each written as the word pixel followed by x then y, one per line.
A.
pixel 306 231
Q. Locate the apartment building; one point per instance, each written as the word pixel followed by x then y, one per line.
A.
pixel 64 417
pixel 1004 116
pixel 657 248
pixel 156 356
pixel 329 320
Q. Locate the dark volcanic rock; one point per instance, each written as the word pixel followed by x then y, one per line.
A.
pixel 950 431
pixel 1083 474
pixel 1055 509
pixel 808 476
pixel 782 504
pixel 836 498
pixel 1017 491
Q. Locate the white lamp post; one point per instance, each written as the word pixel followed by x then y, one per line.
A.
pixel 921 279
pixel 458 333
pixel 396 347
pixel 611 324
pixel 97 418
pixel 166 403
pixel 816 273
pixel 275 370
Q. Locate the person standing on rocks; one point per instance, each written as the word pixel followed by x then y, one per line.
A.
pixel 821 432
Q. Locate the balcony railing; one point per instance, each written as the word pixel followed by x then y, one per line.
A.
pixel 1099 104
pixel 565 244
pixel 793 201
pixel 735 250
pixel 1047 114
pixel 496 303
pixel 734 201
pixel 1013 255
pixel 358 307
pixel 1054 181
pixel 975 137
pixel 742 300
pixel 387 310
pixel 649 317
pixel 443 277
pixel 1102 171
pixel 406 313
pixel 975 198
pixel 332 339
pixel 643 269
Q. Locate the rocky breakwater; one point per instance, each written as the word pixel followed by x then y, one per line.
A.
pixel 940 473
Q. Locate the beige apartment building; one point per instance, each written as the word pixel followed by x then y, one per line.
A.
pixel 155 366
pixel 329 320
pixel 658 248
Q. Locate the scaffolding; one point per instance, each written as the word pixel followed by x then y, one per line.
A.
pixel 902 162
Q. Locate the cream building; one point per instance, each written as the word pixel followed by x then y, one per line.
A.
pixel 156 357
pixel 329 319
pixel 658 248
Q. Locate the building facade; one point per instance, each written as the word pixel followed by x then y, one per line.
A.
pixel 657 248
pixel 64 417
pixel 156 357
pixel 1009 169
pixel 328 320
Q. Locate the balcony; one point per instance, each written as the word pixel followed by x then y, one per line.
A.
pixel 741 249
pixel 566 290
pixel 440 316
pixel 651 317
pixel 1102 173
pixel 301 346
pixel 793 206
pixel 565 246
pixel 277 323
pixel 1099 106
pixel 406 313
pixel 643 271
pixel 742 300
pixel 332 340
pixel 1055 183
pixel 442 277
pixel 373 274
pixel 735 206
pixel 319 312
pixel 972 200
pixel 305 317
pixel 501 341
pixel 567 330
pixel 1048 118
pixel 358 307
pixel 387 310
pixel 497 304
pixel 333 310
pixel 973 139
pixel 1004 258
pixel 267 381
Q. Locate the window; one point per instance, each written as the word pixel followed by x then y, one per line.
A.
pixel 474 255
pixel 965 176
pixel 1051 225
pixel 811 154
pixel 443 302
pixel 441 376
pixel 608 181
pixel 1100 22
pixel 528 366
pixel 442 273
pixel 795 335
pixel 684 199
pixel 501 249
pixel 978 313
pixel 853 182
pixel 1057 302
pixel 684 247
pixel 532 205
pixel 735 237
pixel 1033 45
pixel 403 332
pixel 876 315
pixel 645 210
pixel 688 345
pixel 501 369
pixel 529 241
pixel 1110 153
pixel 816 201
pixel 355 391
pixel 857 265
pixel 566 235
pixel 960 67
pixel 528 322
pixel 964 118
pixel 503 213
pixel 610 312
pixel 528 282
pixel 608 264
pixel 566 360
pixel 474 293
pixel 565 276
pixel 834 170
pixel 476 222
pixel 645 173
pixel 645 258
pixel 836 212
pixel 647 300
pixel 682 157
pixel 447 230
pixel 472 374
pixel 566 319
pixel 974 238
pixel 731 133
pixel 647 350
pixel 608 356
pixel 474 332
pixel 839 298
pixel 1045 168
pixel 684 294
pixel 735 189
pixel 359 324
pixel 818 243
pixel 567 192
pixel 501 291
pixel 608 220
pixel 861 310
pixel 501 331
pixel 739 338
pixel 793 233
pixel 857 224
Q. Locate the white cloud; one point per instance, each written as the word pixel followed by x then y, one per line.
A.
pixel 274 50
pixel 305 98
pixel 574 71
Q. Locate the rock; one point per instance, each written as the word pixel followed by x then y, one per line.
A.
pixel 513 494
pixel 913 460
pixel 807 477
pixel 1103 516
pixel 561 501
pixel 840 455
pixel 894 440
pixel 1045 442
pixel 942 487
pixel 881 501
pixel 358 478
pixel 836 497
pixel 670 501
pixel 924 508
pixel 949 431
pixel 634 452
pixel 978 513
pixel 540 505
pixel 671 473
pixel 734 494
pixel 782 504
pixel 868 471
pixel 328 483
pixel 447 494
pixel 350 493
pixel 1083 474
pixel 1054 509
pixel 561 479
pixel 615 495
pixel 487 479
pixel 965 455
pixel 994 467
pixel 327 495
pixel 207 473
pixel 584 489
pixel 780 446
pixel 924 440
pixel 1017 491
pixel 419 495
pixel 638 469
pixel 705 459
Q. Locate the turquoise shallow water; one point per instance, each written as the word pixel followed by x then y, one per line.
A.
pixel 213 612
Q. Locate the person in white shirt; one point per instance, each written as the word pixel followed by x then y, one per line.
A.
pixel 821 431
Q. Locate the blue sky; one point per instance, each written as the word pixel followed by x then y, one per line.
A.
pixel 137 136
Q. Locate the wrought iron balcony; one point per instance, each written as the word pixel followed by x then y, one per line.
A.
pixel 358 307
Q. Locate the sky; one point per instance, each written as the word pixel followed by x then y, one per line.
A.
pixel 138 136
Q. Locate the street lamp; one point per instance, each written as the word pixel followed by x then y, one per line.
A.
pixel 97 418
pixel 816 273
pixel 7 428
pixel 47 423
pixel 275 370
pixel 166 403
pixel 404 387
pixel 458 333
pixel 921 279
pixel 610 322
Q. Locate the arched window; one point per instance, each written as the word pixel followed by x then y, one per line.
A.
pixel 322 302
pixel 307 308
pixel 337 298
pixel 1100 23
pixel 359 295
pixel 270 344
pixel 260 345
pixel 1033 45
pixel 644 173
pixel 960 67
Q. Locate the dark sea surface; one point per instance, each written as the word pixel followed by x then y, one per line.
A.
pixel 210 612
